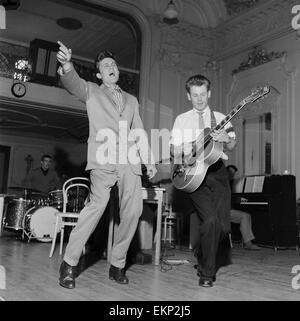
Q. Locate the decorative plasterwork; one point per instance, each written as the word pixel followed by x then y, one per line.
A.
pixel 280 101
pixel 238 6
pixel 178 43
pixel 186 38
pixel 202 14
pixel 266 21
pixel 256 57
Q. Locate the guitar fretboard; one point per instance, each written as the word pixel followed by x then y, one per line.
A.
pixel 250 99
pixel 223 123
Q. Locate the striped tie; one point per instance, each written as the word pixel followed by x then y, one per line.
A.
pixel 118 98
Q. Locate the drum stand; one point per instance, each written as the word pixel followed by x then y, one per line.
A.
pixel 24 232
pixel 31 235
pixel 27 234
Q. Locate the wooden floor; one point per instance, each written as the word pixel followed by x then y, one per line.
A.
pixel 31 275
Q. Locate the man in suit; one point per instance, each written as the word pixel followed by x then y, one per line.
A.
pixel 116 146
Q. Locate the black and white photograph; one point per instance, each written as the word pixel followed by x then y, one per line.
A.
pixel 149 153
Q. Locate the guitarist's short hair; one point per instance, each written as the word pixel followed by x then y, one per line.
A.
pixel 197 80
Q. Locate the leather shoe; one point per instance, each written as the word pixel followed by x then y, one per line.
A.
pixel 213 278
pixel 118 275
pixel 206 282
pixel 67 275
pixel 200 275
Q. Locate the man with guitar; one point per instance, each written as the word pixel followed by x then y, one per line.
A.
pixel 210 194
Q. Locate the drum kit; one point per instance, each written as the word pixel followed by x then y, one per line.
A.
pixel 32 212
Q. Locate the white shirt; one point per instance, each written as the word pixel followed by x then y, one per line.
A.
pixel 188 122
pixel 186 127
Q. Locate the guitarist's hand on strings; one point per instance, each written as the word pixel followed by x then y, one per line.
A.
pixel 220 136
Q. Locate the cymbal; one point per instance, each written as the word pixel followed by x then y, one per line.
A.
pixel 7 195
pixel 18 187
pixel 38 193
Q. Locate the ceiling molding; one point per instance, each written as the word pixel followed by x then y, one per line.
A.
pixel 237 6
pixel 186 38
pixel 203 14
pixel 265 22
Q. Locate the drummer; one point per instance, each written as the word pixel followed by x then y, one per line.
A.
pixel 44 178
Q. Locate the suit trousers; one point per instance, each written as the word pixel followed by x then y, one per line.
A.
pixel 211 227
pixel 130 204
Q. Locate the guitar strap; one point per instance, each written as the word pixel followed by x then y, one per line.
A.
pixel 213 121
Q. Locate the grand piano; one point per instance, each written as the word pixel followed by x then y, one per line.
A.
pixel 271 201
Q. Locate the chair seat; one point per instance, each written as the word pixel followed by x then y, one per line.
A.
pixel 69 215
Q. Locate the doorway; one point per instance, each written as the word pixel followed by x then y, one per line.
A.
pixel 258 137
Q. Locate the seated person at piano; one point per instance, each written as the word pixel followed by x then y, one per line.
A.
pixel 240 217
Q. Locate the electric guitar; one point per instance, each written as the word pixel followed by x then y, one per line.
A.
pixel 188 177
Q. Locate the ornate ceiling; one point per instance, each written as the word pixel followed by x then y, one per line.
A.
pixel 237 6
pixel 201 13
pixel 107 29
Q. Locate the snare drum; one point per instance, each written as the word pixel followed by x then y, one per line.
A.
pixel 56 198
pixel 39 223
pixel 15 211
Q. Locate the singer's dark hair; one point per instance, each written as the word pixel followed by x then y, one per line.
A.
pixel 104 54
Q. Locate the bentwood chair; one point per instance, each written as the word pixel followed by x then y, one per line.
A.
pixel 75 193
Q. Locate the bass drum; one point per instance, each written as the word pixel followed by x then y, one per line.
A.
pixel 39 223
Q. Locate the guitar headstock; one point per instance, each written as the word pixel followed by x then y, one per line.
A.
pixel 256 94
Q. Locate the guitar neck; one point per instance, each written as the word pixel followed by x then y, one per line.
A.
pixel 223 123
pixel 250 99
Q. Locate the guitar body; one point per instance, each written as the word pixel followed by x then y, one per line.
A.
pixel 189 178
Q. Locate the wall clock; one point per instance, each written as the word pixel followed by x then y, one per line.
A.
pixel 18 89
